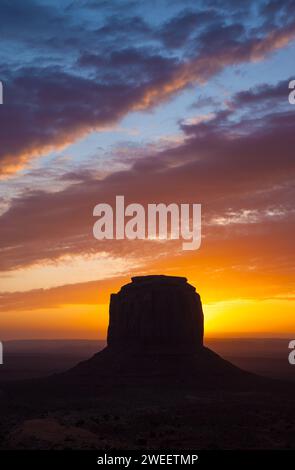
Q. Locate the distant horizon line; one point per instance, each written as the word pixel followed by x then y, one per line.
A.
pixel 227 337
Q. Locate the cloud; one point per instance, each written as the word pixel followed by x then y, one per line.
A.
pixel 49 109
pixel 264 94
pixel 95 74
pixel 226 164
pixel 206 65
pixel 91 293
pixel 22 20
pixel 178 30
pixel 276 12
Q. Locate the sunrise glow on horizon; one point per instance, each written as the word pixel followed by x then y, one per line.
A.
pixel 180 104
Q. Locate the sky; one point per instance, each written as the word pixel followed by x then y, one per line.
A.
pixel 159 101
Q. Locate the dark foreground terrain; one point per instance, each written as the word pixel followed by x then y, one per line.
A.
pixel 175 403
pixel 40 358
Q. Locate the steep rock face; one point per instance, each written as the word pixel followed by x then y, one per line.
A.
pixel 155 339
pixel 156 313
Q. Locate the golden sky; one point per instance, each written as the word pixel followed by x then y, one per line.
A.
pixel 160 105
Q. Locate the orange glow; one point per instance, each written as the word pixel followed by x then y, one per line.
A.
pixel 237 302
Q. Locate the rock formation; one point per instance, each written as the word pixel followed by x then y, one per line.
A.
pixel 155 337
pixel 156 313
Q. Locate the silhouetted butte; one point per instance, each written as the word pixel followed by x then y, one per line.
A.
pixel 155 335
pixel 156 314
